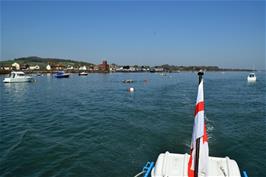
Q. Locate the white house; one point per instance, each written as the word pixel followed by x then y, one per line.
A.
pixel 69 67
pixel 36 67
pixel 119 69
pixel 16 66
pixel 158 69
pixel 132 68
pixel 83 68
pixel 6 68
pixel 48 67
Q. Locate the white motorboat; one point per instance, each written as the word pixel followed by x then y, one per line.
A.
pixel 18 76
pixel 251 77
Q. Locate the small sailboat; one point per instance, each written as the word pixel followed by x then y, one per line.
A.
pixel 18 76
pixel 251 77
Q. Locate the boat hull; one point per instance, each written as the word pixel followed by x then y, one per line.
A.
pixel 83 74
pixel 175 165
pixel 62 76
pixel 251 79
pixel 17 80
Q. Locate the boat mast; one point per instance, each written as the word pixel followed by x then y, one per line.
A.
pixel 196 165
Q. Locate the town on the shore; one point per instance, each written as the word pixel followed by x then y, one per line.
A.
pixel 49 65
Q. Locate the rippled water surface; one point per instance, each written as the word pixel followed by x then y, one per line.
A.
pixel 91 126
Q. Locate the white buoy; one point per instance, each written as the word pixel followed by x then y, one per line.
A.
pixel 131 89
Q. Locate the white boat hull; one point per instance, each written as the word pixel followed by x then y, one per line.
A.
pixel 83 74
pixel 175 165
pixel 251 79
pixel 14 80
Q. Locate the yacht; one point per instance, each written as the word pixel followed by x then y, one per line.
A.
pixel 18 76
pixel 251 77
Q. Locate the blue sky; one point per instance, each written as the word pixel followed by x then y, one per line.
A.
pixel 223 33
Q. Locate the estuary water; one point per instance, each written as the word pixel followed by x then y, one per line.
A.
pixel 92 126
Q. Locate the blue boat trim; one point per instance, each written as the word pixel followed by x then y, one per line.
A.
pixel 245 174
pixel 147 168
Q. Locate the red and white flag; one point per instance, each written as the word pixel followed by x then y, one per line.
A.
pixel 199 131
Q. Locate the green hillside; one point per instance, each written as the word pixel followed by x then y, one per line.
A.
pixel 43 62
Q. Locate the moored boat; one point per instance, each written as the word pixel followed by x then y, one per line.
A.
pixel 83 73
pixel 18 76
pixel 61 74
pixel 251 77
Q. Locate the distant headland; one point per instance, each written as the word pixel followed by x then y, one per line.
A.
pixel 34 64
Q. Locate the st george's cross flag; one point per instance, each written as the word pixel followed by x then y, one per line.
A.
pixel 199 131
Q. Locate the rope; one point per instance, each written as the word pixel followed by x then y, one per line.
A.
pixel 139 174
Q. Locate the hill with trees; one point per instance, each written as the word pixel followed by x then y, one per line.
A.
pixel 43 62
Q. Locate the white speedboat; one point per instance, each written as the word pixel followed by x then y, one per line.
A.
pixel 251 77
pixel 18 76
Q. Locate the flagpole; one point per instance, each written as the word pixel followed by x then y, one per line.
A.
pixel 200 74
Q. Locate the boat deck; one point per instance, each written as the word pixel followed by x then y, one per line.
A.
pixel 175 165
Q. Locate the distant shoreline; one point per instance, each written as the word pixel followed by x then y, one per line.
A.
pixel 39 65
pixel 4 72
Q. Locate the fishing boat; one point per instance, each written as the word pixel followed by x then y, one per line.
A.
pixel 17 76
pixel 61 74
pixel 251 77
pixel 198 163
pixel 83 73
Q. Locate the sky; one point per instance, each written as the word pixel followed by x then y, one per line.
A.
pixel 229 34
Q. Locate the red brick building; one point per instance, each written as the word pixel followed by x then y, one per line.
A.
pixel 104 67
